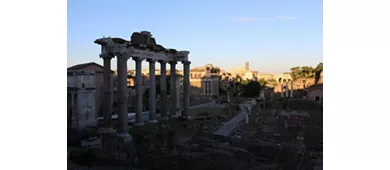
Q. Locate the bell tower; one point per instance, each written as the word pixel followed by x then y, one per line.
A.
pixel 246 66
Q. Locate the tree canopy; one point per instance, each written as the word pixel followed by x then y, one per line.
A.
pixel 263 82
pixel 252 89
pixel 318 71
pixel 305 71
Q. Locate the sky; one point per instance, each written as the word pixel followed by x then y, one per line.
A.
pixel 272 35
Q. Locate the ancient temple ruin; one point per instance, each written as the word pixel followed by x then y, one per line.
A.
pixel 142 46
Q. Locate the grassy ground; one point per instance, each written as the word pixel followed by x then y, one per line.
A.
pixel 182 128
pixel 213 111
pixel 82 156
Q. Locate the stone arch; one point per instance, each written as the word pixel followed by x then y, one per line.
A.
pixel 279 79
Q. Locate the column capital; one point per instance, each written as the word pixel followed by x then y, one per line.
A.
pixel 138 58
pixel 172 62
pixel 106 56
pixel 151 60
pixel 186 62
pixel 123 56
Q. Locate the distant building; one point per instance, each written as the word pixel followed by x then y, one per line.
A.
pixel 267 77
pixel 205 80
pixel 282 78
pixel 98 71
pixel 315 93
pixel 244 73
pixel 248 74
pixel 81 99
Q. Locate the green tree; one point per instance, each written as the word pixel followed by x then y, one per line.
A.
pixel 263 82
pixel 238 78
pixel 305 71
pixel 296 72
pixel 319 67
pixel 244 82
pixel 295 68
pixel 252 89
pixel 318 71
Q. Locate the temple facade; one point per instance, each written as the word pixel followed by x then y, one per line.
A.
pixel 205 80
pixel 142 47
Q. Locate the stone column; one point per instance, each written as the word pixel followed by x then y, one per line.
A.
pixel 108 94
pixel 163 89
pixel 173 88
pixel 138 90
pixel 122 94
pixel 207 86
pixel 286 89
pixel 228 96
pixel 186 87
pixel 211 87
pixel 281 90
pixel 292 89
pixel 204 87
pixel 152 91
pixel 178 91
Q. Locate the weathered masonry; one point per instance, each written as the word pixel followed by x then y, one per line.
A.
pixel 141 47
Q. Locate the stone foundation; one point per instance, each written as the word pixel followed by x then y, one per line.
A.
pixel 114 146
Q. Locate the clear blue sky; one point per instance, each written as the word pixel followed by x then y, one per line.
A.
pixel 273 35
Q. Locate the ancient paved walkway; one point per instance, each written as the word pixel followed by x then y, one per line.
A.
pixel 232 124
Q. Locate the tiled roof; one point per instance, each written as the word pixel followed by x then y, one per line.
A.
pixel 81 66
pixel 198 69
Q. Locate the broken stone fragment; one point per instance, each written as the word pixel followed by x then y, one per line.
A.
pixel 104 41
pixel 146 33
pixel 173 51
pixel 138 39
pixel 159 48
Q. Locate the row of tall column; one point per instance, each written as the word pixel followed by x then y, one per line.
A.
pixel 123 92
pixel 285 89
pixel 206 86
